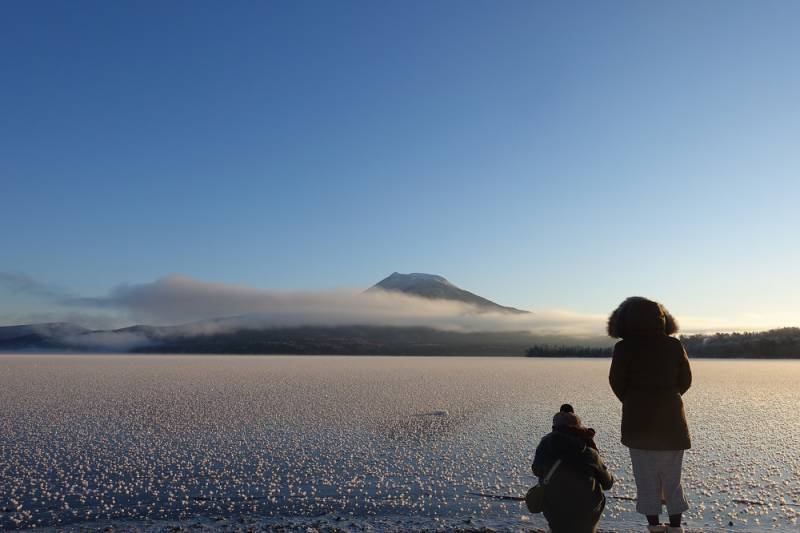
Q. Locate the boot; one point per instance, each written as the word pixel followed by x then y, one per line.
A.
pixel 657 529
pixel 671 529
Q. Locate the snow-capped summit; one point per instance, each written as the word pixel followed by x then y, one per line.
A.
pixel 437 288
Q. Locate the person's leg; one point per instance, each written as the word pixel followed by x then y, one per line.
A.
pixel 596 515
pixel 675 528
pixel 575 519
pixel 670 465
pixel 558 526
pixel 648 484
pixel 673 490
pixel 654 525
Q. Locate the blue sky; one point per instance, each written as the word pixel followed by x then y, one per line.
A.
pixel 545 155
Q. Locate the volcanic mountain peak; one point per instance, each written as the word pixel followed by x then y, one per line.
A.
pixel 437 287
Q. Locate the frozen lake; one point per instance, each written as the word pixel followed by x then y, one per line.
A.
pixel 358 442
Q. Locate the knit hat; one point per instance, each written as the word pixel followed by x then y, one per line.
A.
pixel 564 418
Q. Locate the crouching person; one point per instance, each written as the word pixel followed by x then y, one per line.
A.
pixel 575 475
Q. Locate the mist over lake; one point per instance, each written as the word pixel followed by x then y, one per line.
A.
pixel 148 442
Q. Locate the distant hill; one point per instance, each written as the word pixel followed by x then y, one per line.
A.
pixel 370 340
pixel 437 287
pixel 350 340
pixel 308 340
pixel 46 330
pixel 781 343
pixel 775 343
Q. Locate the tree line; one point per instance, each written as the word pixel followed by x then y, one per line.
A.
pixel 775 343
pixel 550 350
pixel 781 343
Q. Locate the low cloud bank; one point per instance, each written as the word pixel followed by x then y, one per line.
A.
pixel 179 300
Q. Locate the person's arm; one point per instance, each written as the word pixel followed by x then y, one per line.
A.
pixel 540 461
pixel 684 372
pixel 618 375
pixel 599 470
pixel 604 477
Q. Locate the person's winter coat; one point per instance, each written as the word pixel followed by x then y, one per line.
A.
pixel 574 499
pixel 649 374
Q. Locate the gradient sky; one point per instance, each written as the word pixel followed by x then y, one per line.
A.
pixel 542 154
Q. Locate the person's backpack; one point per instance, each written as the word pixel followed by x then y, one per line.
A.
pixel 534 498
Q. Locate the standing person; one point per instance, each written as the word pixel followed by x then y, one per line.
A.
pixel 568 464
pixel 649 374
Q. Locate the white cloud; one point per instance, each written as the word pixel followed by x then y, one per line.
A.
pixel 179 299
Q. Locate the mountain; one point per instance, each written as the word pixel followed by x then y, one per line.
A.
pixel 46 330
pixel 438 288
pixel 47 336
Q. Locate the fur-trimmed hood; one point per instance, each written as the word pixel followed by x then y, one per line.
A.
pixel 638 316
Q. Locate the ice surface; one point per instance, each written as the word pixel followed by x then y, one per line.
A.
pixel 356 442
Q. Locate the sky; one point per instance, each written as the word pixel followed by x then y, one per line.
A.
pixel 551 156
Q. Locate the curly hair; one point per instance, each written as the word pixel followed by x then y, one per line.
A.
pixel 640 316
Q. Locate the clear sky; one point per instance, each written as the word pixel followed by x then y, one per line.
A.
pixel 542 154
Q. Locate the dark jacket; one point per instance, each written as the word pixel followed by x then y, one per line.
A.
pixel 649 374
pixel 574 499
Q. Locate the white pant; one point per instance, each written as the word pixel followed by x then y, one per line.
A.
pixel 658 479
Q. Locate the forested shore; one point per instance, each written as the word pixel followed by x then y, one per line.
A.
pixel 782 343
